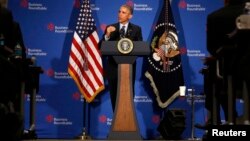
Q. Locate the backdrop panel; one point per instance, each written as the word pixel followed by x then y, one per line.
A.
pixel 48 27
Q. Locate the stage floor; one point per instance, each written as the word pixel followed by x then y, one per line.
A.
pixel 100 140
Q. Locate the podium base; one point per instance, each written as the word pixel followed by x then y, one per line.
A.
pixel 129 135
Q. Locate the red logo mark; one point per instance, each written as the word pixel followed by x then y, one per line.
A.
pixel 156 119
pixel 49 118
pixel 183 50
pixel 77 3
pixel 102 119
pixel 50 72
pixel 182 4
pixel 51 27
pixel 76 96
pixel 130 3
pixel 24 3
pixel 103 27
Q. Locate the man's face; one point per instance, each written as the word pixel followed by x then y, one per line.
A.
pixel 124 15
pixel 4 3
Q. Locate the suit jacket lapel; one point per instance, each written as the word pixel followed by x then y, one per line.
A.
pixel 129 30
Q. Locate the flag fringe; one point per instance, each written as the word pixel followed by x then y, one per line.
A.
pixel 88 99
pixel 156 92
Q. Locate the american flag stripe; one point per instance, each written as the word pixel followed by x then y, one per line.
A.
pixel 89 62
pixel 81 74
pixel 81 78
pixel 85 63
pixel 85 75
pixel 92 67
pixel 96 58
pixel 77 79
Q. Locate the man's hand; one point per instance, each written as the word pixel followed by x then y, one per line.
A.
pixel 109 30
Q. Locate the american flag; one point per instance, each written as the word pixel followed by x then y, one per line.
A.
pixel 85 63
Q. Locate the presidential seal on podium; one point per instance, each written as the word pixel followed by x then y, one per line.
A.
pixel 125 46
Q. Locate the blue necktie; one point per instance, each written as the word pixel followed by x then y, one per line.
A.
pixel 122 32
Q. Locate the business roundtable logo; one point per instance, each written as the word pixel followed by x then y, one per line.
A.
pixel 33 5
pixel 139 6
pixel 191 6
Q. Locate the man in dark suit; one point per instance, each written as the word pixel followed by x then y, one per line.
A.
pixel 221 27
pixel 10 120
pixel 6 31
pixel 243 57
pixel 11 123
pixel 113 33
pixel 12 36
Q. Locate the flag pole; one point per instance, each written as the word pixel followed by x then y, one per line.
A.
pixel 84 135
pixel 86 73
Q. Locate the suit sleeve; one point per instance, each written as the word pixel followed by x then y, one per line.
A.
pixel 103 38
pixel 211 37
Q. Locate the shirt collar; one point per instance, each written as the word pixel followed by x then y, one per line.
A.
pixel 126 26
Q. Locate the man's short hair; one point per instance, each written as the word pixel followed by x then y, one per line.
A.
pixel 129 7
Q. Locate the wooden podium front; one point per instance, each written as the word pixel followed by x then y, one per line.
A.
pixel 124 123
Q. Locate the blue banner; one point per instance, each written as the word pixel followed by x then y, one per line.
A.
pixel 48 27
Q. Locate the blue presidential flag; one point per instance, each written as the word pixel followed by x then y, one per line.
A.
pixel 164 63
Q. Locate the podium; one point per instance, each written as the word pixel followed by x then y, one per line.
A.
pixel 124 124
pixel 29 84
pixel 32 88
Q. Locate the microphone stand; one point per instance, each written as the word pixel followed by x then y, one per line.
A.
pixel 193 98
